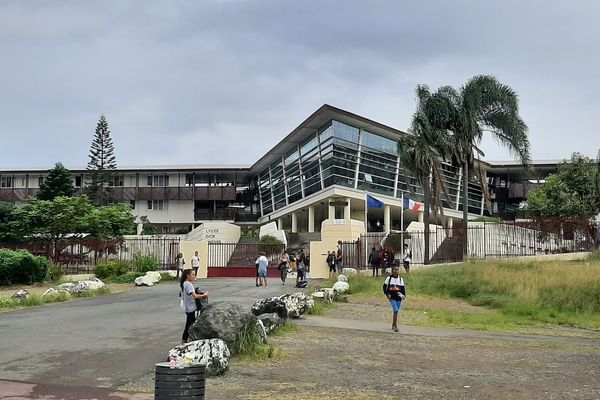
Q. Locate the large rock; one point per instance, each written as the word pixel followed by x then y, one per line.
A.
pixel 144 280
pixel 21 294
pixel 270 305
pixel 154 276
pixel 341 287
pixel 270 322
pixel 342 278
pixel 297 303
pixel 222 320
pixel 213 353
pixel 67 287
pixel 49 292
pixel 93 284
pixel 325 294
pixel 349 271
pixel 261 331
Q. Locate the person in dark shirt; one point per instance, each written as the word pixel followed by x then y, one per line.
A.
pixel 374 261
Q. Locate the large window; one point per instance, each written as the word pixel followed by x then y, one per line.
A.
pixel 157 180
pixel 158 205
pixel 7 182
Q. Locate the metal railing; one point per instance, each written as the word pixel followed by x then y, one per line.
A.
pixel 241 254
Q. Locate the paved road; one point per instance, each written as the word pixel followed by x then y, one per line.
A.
pixel 106 341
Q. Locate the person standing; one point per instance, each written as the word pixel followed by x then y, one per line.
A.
pixel 330 260
pixel 300 266
pixel 407 258
pixel 339 260
pixel 374 261
pixel 179 263
pixel 283 266
pixel 195 262
pixel 262 268
pixel 188 297
pixel 395 291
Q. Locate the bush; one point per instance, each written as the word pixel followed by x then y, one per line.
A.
pixel 21 267
pixel 105 269
pixel 54 272
pixel 144 263
pixel 268 239
pixel 128 277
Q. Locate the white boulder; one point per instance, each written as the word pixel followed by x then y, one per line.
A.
pixel 154 276
pixel 93 284
pixel 342 278
pixel 341 287
pixel 21 294
pixel 349 271
pixel 143 281
pixel 213 353
pixel 67 287
pixel 49 292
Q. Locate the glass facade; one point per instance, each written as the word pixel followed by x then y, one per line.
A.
pixel 340 154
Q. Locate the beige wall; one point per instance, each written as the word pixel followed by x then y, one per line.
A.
pixel 331 232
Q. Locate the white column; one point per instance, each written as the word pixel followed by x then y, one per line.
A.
pixel 294 222
pixel 387 220
pixel 331 212
pixel 421 216
pixel 311 219
pixel 450 223
pixel 140 228
pixel 280 223
pixel 347 209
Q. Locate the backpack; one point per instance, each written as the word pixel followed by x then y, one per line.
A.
pixel 200 302
pixel 302 284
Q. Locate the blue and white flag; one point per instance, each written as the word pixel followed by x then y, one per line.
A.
pixel 372 202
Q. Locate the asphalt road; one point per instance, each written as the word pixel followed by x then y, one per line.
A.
pixel 106 341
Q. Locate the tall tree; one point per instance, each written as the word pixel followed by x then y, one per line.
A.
pixel 484 105
pixel 59 182
pixel 422 151
pixel 102 164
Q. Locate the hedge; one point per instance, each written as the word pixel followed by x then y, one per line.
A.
pixel 21 267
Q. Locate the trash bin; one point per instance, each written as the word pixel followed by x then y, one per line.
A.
pixel 179 383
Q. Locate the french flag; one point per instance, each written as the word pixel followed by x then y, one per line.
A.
pixel 411 205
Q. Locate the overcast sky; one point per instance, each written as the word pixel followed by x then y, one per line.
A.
pixel 209 82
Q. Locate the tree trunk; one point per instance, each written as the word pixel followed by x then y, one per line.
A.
pixel 426 200
pixel 465 198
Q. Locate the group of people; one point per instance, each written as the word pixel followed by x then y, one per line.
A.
pixel 299 263
pixel 180 263
pixel 335 261
pixel 384 258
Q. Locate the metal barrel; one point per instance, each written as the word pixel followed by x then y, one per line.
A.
pixel 185 383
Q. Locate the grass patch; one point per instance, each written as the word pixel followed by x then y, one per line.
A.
pixel 58 297
pixel 249 346
pixel 287 327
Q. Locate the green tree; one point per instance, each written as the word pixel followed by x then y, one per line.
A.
pixel 102 164
pixel 59 182
pixel 483 105
pixel 423 149
pixel 6 222
pixel 569 192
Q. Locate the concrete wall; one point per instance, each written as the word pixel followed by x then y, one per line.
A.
pixel 188 247
pixel 216 231
pixel 331 232
pixel 177 212
pixel 270 229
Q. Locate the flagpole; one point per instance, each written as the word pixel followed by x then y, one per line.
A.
pixel 402 221
pixel 366 227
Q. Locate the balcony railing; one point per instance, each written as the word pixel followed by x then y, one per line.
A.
pixel 225 215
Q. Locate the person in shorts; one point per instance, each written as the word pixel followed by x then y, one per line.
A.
pixel 395 291
pixel 262 263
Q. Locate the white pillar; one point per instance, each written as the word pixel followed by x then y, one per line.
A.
pixel 140 228
pixel 280 223
pixel 387 218
pixel 450 223
pixel 331 212
pixel 347 209
pixel 421 216
pixel 311 219
pixel 294 223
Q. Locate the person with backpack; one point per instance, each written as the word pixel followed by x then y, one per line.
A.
pixel 188 297
pixel 374 261
pixel 407 258
pixel 395 290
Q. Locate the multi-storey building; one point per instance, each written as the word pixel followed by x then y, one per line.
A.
pixel 322 170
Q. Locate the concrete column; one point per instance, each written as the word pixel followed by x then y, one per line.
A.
pixel 140 228
pixel 280 223
pixel 421 216
pixel 347 209
pixel 311 219
pixel 387 218
pixel 450 223
pixel 331 212
pixel 294 223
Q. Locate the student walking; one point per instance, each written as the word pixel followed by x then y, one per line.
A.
pixel 407 258
pixel 395 291
pixel 283 267
pixel 374 261
pixel 188 300
pixel 179 263
pixel 195 262
pixel 262 263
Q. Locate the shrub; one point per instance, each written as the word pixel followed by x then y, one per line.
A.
pixel 127 277
pixel 105 269
pixel 55 272
pixel 21 267
pixel 268 239
pixel 144 263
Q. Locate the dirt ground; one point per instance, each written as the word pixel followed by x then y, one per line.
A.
pixel 344 363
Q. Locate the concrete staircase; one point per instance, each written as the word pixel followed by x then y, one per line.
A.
pixel 297 241
pixel 244 255
pixel 451 250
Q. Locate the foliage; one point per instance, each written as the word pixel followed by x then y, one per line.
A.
pixel 593 256
pixel 55 272
pixel 6 223
pixel 128 277
pixel 247 341
pixel 149 229
pixel 496 220
pixel 268 239
pixel 394 241
pixel 166 277
pixel 182 230
pixel 21 267
pixel 59 182
pixel 102 164
pixel 107 269
pixel 569 192
pixel 111 222
pixel 144 263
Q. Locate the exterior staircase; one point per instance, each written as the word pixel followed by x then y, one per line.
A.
pixel 242 255
pixel 451 250
pixel 297 241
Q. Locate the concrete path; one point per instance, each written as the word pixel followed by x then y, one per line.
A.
pixel 12 390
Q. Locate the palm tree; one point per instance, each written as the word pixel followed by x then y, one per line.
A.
pixel 484 105
pixel 423 149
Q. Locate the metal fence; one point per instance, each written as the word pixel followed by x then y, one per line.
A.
pixel 81 256
pixel 241 254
